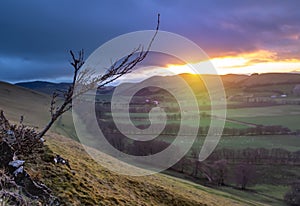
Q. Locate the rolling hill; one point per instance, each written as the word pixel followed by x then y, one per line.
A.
pixel 92 184
pixel 17 101
pixel 230 81
pixel 266 110
pixel 34 106
pixel 270 79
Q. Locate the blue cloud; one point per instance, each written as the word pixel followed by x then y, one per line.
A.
pixel 43 31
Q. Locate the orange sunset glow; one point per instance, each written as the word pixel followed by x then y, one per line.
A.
pixel 261 61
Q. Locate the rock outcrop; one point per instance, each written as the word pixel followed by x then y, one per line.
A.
pixel 16 185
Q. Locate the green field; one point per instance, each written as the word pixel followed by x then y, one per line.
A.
pixel 264 111
pixel 287 142
pixel 290 121
pixel 284 115
pixel 268 194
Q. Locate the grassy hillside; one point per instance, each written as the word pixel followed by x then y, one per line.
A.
pixel 271 79
pixel 242 113
pixel 17 101
pixel 92 184
pixel 34 106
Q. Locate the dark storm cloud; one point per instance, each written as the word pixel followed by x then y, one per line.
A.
pixel 35 36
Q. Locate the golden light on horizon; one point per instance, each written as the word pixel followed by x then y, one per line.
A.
pixel 261 61
pixel 179 69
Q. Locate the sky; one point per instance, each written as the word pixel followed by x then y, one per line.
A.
pixel 239 36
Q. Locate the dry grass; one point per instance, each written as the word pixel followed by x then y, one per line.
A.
pixel 14 102
pixel 95 185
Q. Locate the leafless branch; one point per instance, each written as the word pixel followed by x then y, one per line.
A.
pixel 113 73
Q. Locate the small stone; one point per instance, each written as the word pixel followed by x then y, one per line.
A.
pixel 16 163
pixel 20 170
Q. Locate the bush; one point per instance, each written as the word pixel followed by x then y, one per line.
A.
pixel 292 197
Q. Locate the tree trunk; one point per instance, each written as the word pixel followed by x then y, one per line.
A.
pixel 48 126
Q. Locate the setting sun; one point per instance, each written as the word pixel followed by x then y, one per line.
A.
pixel 261 61
pixel 179 69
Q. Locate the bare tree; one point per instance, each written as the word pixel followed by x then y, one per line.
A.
pixel 220 171
pixel 118 69
pixel 244 175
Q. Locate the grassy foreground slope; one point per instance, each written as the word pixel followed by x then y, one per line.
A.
pixel 95 185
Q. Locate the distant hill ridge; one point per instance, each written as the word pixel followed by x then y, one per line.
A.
pixel 44 87
pixel 261 79
pixel 229 79
pixel 50 87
